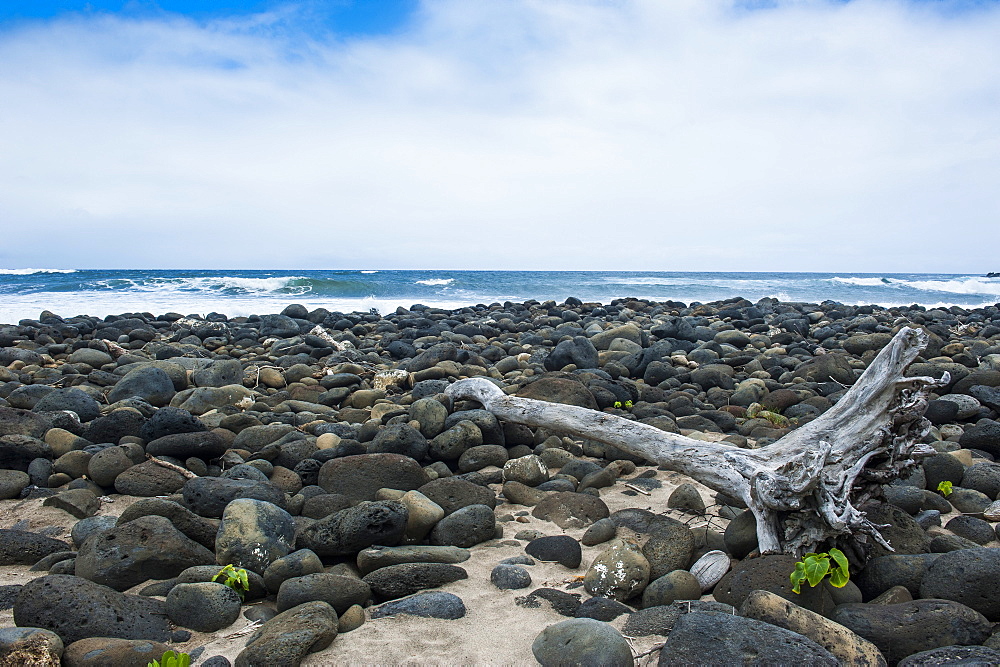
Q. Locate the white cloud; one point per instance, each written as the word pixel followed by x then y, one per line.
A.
pixel 542 134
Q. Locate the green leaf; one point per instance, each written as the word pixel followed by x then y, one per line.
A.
pixel 838 577
pixel 816 568
pixel 797 576
pixel 839 558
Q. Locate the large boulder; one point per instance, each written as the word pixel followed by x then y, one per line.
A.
pixel 728 639
pixel 76 608
pixel 906 628
pixel 286 639
pixel 253 534
pixel 968 576
pixel 350 530
pixel 359 477
pixel 149 547
pixel 149 383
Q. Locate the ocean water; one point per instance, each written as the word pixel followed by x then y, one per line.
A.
pixel 24 293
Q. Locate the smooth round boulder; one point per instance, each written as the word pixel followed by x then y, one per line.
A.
pixel 968 576
pixel 676 585
pixel 339 591
pixel 581 641
pixel 296 564
pixel 466 527
pixel 620 572
pixel 507 576
pixel 359 477
pixel 349 531
pixel 203 606
pixel 149 383
pixel 253 534
pixel 561 549
pixel 72 399
pixel 12 482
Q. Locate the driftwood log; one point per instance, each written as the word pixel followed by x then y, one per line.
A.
pixel 803 489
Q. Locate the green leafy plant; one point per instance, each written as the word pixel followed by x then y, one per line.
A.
pixel 757 411
pixel 235 578
pixel 945 488
pixel 814 567
pixel 627 405
pixel 171 659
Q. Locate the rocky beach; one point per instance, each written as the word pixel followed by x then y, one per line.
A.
pixel 380 521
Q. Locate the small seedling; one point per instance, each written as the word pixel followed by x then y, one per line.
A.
pixel 814 567
pixel 235 578
pixel 757 411
pixel 171 659
pixel 627 405
pixel 945 488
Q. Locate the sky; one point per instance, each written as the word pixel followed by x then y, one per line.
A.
pixel 674 135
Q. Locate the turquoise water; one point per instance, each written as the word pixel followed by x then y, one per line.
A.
pixel 26 292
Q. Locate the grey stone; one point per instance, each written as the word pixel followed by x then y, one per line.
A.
pixel 253 534
pixel 359 477
pixel 147 548
pixel 433 604
pixel 968 576
pixel 12 482
pixel 396 581
pixel 465 527
pixel 149 383
pixel 75 608
pixel 208 496
pixel 355 528
pixel 30 647
pixel 199 529
pixel 730 639
pixel 882 573
pixel 339 591
pixel 571 510
pixel 669 548
pixel 561 549
pixel 148 479
pixel 203 606
pixel 581 641
pixel 400 439
pixel 619 572
pixel 296 564
pixel 85 407
pixel 22 547
pixel 953 655
pixel 286 639
pixel 676 585
pixel 506 576
pixel 902 629
pixel 661 620
pixel 376 557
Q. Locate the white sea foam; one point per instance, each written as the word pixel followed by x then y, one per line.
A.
pixel 209 284
pixel 864 282
pixel 434 282
pixel 28 272
pixel 974 285
pixel 369 271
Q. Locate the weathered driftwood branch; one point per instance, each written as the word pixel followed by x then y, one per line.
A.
pixel 803 489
